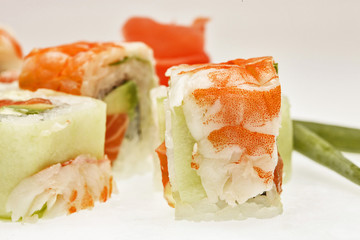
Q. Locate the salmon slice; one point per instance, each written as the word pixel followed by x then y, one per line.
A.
pixel 172 44
pixel 116 126
pixel 8 102
pixel 161 152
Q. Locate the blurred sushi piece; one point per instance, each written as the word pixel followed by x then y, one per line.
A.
pixel 172 44
pixel 10 60
pixel 52 156
pixel 119 74
pixel 220 157
pixel 10 51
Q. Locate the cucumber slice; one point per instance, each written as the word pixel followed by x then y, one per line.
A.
pixel 188 182
pixel 161 117
pixel 285 138
pixel 123 99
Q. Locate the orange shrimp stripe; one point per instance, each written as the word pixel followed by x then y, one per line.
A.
pixel 243 105
pixel 255 144
pixel 257 71
pixel 267 176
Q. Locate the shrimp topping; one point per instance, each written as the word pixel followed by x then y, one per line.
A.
pixel 60 68
pixel 62 188
pixel 232 110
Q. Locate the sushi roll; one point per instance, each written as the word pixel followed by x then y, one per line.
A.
pixel 10 60
pixel 119 74
pixel 220 160
pixel 52 154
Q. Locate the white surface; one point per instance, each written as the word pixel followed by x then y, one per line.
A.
pixel 317 46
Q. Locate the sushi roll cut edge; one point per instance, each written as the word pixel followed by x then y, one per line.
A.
pixel 222 121
pixel 52 156
pixel 121 74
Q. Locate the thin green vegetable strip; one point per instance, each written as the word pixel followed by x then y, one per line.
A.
pixel 343 138
pixel 313 146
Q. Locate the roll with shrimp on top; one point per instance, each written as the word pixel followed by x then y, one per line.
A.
pixel 119 74
pixel 52 156
pixel 219 160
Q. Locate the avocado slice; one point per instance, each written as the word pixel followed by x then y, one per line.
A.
pixel 31 108
pixel 123 99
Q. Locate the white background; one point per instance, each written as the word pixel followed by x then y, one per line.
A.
pixel 317 45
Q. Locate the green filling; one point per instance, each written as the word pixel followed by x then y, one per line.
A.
pixel 41 211
pixel 31 109
pixel 276 66
pixel 125 59
pixel 188 182
pixel 123 99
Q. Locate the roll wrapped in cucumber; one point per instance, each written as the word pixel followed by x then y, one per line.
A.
pixel 10 60
pixel 52 154
pixel 119 74
pixel 220 147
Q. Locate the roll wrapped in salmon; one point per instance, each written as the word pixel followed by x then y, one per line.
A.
pixel 52 156
pixel 119 74
pixel 220 159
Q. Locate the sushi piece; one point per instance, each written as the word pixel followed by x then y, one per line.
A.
pixel 10 51
pixel 10 60
pixel 119 74
pixel 172 44
pixel 52 156
pixel 222 121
